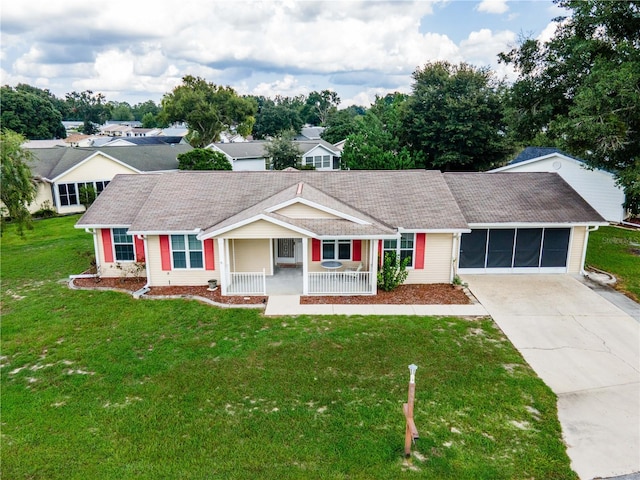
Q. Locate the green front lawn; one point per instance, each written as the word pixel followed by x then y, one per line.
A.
pixel 98 385
pixel 617 251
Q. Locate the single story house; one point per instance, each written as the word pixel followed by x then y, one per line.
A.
pixel 596 186
pixel 252 156
pixel 60 172
pixel 246 229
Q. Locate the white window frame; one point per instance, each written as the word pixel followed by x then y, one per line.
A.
pixel 187 252
pixel 336 249
pixel 76 186
pixel 397 249
pixel 115 243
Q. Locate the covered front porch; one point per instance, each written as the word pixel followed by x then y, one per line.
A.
pixel 298 266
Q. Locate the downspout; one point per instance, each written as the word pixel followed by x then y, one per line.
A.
pixel 454 256
pixel 93 232
pixel 584 248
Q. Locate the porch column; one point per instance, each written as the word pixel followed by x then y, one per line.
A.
pixel 305 266
pixel 373 265
pixel 223 269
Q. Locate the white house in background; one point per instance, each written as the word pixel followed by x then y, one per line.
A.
pixel 252 156
pixel 597 187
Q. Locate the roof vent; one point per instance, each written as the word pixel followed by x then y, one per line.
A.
pixel 299 190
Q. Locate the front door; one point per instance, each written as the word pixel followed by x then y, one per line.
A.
pixel 288 251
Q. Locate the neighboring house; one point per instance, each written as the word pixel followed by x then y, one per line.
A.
pixel 44 143
pixel 598 187
pixel 320 153
pixel 252 156
pixel 340 145
pixel 241 228
pixel 61 171
pixel 309 132
pixel 243 156
pixel 154 140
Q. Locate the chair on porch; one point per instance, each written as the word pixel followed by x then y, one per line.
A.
pixel 352 272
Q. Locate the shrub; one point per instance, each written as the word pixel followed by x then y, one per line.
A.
pixel 393 271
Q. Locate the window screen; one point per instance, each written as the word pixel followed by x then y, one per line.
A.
pixel 555 247
pixel 528 247
pixel 473 249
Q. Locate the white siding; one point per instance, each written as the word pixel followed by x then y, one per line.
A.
pixel 261 229
pixel 300 210
pixel 249 165
pixel 437 260
pixel 576 249
pixel 597 187
pixel 161 278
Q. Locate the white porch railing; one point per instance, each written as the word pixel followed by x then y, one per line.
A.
pixel 247 283
pixel 340 283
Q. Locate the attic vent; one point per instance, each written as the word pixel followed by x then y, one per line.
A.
pixel 299 190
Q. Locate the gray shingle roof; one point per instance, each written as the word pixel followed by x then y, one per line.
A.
pixel 530 153
pixel 53 162
pixel 518 197
pixel 185 201
pixel 255 149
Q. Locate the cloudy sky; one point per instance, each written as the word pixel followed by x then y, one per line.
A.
pixel 138 50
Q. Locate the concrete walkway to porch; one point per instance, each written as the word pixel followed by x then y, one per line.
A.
pixel 290 305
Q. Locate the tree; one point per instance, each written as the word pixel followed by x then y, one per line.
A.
pixel 208 110
pixel 29 113
pixel 121 111
pixel 341 123
pixel 376 143
pixel 276 116
pixel 455 117
pixel 89 108
pixel 283 152
pixel 87 194
pixel 139 110
pixel 319 105
pixel 18 189
pixel 579 90
pixel 203 159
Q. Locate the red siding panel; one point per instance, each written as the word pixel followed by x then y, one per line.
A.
pixel 357 250
pixel 165 252
pixel 315 250
pixel 107 245
pixel 209 257
pixel 421 239
pixel 380 255
pixel 139 246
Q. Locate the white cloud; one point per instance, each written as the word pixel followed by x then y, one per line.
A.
pixel 493 6
pixel 482 47
pixel 287 87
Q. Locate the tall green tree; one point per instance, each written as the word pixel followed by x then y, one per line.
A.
pixel 89 108
pixel 283 152
pixel 139 110
pixel 318 107
pixel 203 159
pixel 581 89
pixel 376 142
pixel 18 188
pixel 30 113
pixel 277 115
pixel 342 123
pixel 455 117
pixel 208 110
pixel 121 111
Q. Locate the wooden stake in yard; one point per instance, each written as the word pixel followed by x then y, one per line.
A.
pixel 411 432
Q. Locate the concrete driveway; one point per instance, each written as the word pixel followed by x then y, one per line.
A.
pixel 587 351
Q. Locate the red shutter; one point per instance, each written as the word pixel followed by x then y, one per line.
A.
pixel 380 255
pixel 107 246
pixel 315 250
pixel 165 252
pixel 420 244
pixel 139 246
pixel 209 258
pixel 357 250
